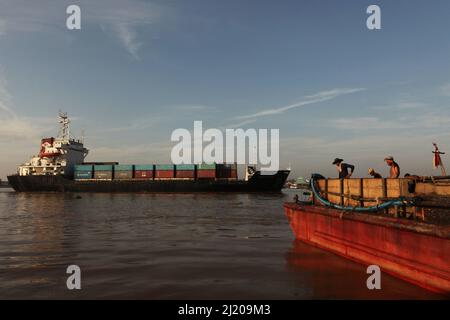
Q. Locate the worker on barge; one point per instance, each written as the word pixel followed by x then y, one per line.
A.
pixel 374 174
pixel 394 171
pixel 345 170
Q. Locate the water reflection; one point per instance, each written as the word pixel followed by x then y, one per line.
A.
pixel 332 277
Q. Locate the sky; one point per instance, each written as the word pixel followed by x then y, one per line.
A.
pixel 139 69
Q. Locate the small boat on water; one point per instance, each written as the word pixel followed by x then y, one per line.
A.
pixel 401 225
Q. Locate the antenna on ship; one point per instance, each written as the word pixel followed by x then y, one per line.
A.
pixel 64 130
pixel 82 136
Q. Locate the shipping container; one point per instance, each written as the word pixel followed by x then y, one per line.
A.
pixel 122 174
pixel 185 174
pixel 206 166
pixel 202 174
pixel 123 167
pixel 143 167
pixel 103 175
pixel 81 175
pixel 104 167
pixel 226 171
pixel 164 174
pixel 185 167
pixel 166 167
pixel 83 167
pixel 143 174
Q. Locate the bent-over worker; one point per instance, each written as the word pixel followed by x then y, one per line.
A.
pixel 343 168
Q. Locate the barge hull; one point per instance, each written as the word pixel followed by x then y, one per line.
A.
pixel 415 252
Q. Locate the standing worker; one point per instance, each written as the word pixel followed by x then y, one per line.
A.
pixel 343 168
pixel 394 171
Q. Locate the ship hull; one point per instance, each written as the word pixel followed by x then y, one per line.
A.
pixel 257 183
pixel 416 252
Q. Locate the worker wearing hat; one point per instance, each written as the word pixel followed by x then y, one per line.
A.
pixel 343 168
pixel 374 174
pixel 394 171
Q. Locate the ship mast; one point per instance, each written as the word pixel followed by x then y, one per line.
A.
pixel 64 130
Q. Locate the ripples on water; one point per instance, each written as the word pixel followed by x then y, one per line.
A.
pixel 164 246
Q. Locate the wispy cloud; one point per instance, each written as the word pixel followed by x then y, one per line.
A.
pixel 445 89
pixel 192 107
pixel 2 27
pixel 5 98
pixel 364 123
pixel 13 126
pixel 120 18
pixel 127 35
pixel 138 124
pixel 402 105
pixel 153 152
pixel 361 124
pixel 236 125
pixel 123 18
pixel 311 99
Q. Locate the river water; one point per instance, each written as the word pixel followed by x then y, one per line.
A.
pixel 170 246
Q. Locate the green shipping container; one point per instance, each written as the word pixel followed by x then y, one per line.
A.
pixel 206 166
pixel 123 167
pixel 164 167
pixel 185 166
pixel 103 167
pixel 143 167
pixel 83 167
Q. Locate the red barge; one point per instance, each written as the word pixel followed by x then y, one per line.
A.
pixel 351 224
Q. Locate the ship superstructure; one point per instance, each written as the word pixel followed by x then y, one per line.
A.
pixel 57 156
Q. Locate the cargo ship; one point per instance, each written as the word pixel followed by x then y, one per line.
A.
pixel 401 225
pixel 60 167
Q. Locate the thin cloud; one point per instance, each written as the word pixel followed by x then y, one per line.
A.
pixel 365 123
pixel 127 35
pixel 427 121
pixel 123 18
pixel 11 125
pixel 120 18
pixel 192 107
pixel 403 105
pixel 445 89
pixel 238 124
pixel 2 27
pixel 311 99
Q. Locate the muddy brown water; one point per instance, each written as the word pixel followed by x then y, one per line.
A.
pixel 170 246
